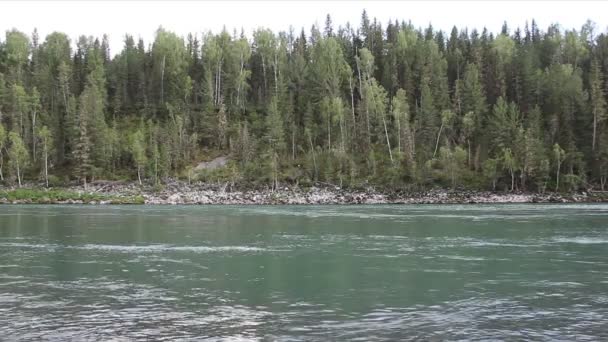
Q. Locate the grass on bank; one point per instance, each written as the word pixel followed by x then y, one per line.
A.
pixel 58 196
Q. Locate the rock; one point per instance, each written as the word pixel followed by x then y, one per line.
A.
pixel 179 192
pixel 174 199
pixel 212 165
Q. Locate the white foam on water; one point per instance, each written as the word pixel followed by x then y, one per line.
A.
pixel 464 258
pixel 555 295
pixel 139 248
pixel 568 284
pixel 439 271
pixel 28 245
pixel 583 240
pixel 168 248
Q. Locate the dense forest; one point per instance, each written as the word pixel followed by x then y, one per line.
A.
pixel 391 106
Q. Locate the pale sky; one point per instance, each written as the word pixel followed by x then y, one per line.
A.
pixel 142 18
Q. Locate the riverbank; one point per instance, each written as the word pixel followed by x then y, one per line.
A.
pixel 201 193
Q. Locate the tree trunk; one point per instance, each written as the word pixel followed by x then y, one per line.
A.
pixel 352 103
pixel 215 80
pixel 264 72
pixel 412 142
pixel 312 149
pixel 329 132
pixel 293 142
pixel 162 81
pixel 437 143
pixel 34 135
pixel 156 170
pixel 399 136
pixel 276 82
pixel 238 89
pixel 218 83
pixel 342 137
pixel 369 133
pixel 512 180
pixel 18 174
pixel 369 138
pixel 360 83
pixel 469 153
pixel 477 153
pixel 557 181
pixel 388 142
pixel 46 166
pixel 594 129
pixel 21 127
pixel 139 174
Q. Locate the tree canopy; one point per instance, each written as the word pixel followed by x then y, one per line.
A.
pixel 388 105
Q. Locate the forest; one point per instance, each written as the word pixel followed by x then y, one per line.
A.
pixel 386 105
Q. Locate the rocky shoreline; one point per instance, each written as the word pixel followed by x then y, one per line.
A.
pixel 183 193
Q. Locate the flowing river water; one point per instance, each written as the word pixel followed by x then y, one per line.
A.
pixel 304 273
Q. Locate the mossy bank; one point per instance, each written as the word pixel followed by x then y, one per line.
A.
pixel 63 196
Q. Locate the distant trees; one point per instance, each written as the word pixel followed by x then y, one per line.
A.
pixel 384 105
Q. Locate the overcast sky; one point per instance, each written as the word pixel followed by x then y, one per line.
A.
pixel 142 18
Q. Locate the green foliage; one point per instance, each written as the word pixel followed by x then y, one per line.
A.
pixel 490 171
pixel 276 132
pixel 377 105
pixel 59 196
pixel 559 155
pixel 453 163
pixel 509 163
pixel 17 47
pixel 18 156
pixel 138 151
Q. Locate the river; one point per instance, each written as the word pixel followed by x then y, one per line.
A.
pixel 304 273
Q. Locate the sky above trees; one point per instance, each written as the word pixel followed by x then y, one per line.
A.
pixel 142 18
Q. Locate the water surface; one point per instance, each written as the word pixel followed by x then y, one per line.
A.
pixel 304 273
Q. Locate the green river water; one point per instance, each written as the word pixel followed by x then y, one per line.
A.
pixel 304 273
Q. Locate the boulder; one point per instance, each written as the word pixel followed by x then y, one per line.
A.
pixel 212 165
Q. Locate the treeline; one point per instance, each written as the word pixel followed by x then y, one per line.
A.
pixel 392 106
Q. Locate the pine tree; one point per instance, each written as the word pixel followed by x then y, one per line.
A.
pixel 82 151
pixel 598 101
